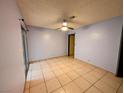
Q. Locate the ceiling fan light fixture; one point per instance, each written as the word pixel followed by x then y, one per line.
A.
pixel 64 28
pixel 64 24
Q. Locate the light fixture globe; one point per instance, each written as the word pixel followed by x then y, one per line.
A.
pixel 64 28
pixel 64 24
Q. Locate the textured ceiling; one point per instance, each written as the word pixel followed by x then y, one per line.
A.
pixel 49 13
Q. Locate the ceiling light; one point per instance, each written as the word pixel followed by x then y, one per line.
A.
pixel 64 28
pixel 64 23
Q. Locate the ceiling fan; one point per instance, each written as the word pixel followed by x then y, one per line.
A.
pixel 65 26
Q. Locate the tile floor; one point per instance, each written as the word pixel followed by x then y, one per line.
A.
pixel 68 75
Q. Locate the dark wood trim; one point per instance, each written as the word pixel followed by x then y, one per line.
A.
pixel 69 42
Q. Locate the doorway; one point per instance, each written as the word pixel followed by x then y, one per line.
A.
pixel 71 44
pixel 25 49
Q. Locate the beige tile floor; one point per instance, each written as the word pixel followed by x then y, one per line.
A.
pixel 68 75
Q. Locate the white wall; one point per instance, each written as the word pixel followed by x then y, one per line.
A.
pixel 46 43
pixel 98 44
pixel 12 75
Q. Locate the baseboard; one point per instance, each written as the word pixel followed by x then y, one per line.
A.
pixel 34 61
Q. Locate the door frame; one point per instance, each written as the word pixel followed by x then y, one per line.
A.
pixel 26 60
pixel 119 72
pixel 69 43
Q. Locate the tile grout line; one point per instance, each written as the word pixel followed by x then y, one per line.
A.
pixel 44 81
pixel 119 87
pixel 101 78
pixel 58 81
pixel 83 78
pixel 98 89
pixel 59 87
pixel 73 81
pixel 86 72
pixel 79 75
pixel 95 83
pixel 75 78
pixel 110 85
pixel 30 78
pixel 68 82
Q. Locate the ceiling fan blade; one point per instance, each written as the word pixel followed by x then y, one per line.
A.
pixel 76 22
pixel 71 28
pixel 72 17
pixel 58 28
